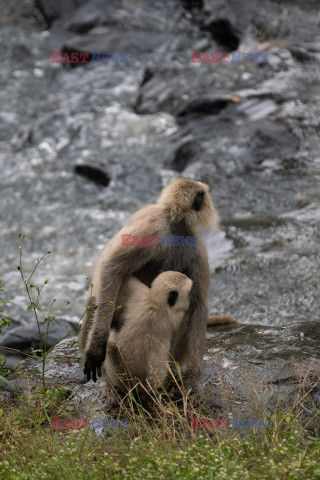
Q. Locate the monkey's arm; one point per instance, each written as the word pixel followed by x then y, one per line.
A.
pixel 107 284
pixel 118 262
pixel 220 320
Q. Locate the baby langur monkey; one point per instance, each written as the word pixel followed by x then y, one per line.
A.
pixel 140 350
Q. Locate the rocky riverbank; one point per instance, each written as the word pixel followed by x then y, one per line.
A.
pixel 82 148
pixel 249 371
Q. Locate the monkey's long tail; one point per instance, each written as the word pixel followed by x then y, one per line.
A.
pixel 220 320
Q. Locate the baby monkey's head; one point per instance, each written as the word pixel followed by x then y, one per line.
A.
pixel 171 290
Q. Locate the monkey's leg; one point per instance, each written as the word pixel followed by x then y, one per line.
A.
pixel 157 366
pixel 220 320
pixel 196 347
pixel 111 368
pixel 190 346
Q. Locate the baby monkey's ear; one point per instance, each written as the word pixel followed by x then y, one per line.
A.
pixel 172 298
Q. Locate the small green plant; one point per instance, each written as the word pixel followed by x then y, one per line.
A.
pixel 3 320
pixel 43 318
pixel 35 305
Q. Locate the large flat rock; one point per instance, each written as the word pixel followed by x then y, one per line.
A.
pixel 249 370
pixel 133 42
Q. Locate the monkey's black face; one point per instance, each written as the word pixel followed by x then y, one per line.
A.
pixel 198 201
pixel 172 297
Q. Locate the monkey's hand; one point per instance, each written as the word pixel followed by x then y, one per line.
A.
pixel 93 363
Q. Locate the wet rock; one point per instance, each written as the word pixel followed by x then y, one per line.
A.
pixel 261 143
pixel 172 89
pixel 133 42
pixel 160 92
pixel 184 155
pixel 191 4
pixel 87 16
pixel 64 366
pixel 57 9
pixel 81 24
pixel 195 10
pixel 21 54
pixel 147 75
pixel 26 337
pixel 224 32
pixel 94 174
pixel 203 106
pixel 40 129
pixel 229 20
pixel 300 53
pixel 253 221
pixel 270 140
pixel 249 370
pixel 256 109
pixel 264 21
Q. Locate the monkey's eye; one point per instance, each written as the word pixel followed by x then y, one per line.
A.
pixel 172 298
pixel 198 201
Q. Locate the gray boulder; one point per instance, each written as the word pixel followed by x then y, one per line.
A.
pixel 249 371
pixel 56 9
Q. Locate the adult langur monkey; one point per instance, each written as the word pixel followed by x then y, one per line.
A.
pixel 183 207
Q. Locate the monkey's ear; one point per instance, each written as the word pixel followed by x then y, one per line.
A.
pixel 172 298
pixel 198 201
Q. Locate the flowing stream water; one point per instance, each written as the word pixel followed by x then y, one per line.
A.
pixel 266 253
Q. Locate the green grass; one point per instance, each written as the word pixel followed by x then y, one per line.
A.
pixel 158 444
